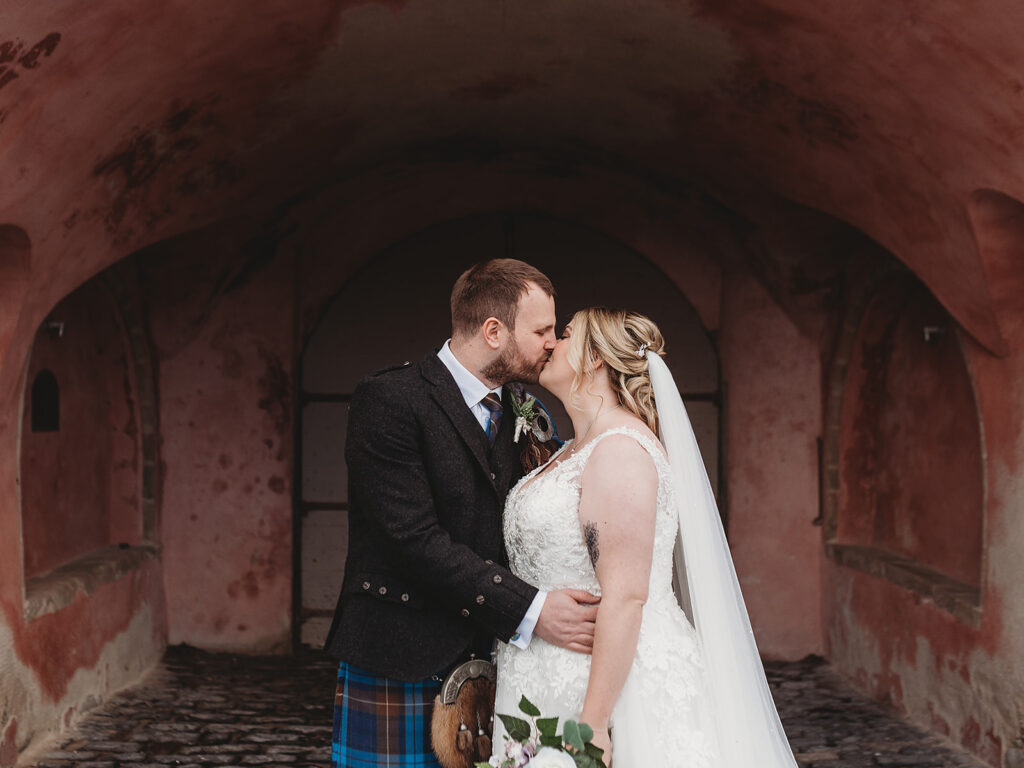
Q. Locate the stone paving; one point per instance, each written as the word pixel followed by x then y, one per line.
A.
pixel 202 709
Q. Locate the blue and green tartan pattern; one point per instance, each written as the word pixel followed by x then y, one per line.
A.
pixel 382 722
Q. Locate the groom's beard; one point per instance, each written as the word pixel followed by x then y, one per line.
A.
pixel 512 365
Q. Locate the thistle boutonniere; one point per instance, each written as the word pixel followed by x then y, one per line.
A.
pixel 534 423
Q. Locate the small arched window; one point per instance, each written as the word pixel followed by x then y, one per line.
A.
pixel 45 402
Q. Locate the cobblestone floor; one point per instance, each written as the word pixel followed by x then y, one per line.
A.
pixel 202 709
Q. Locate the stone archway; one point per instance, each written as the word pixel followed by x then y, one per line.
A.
pixel 396 309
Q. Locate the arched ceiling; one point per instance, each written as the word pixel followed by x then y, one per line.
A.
pixel 127 121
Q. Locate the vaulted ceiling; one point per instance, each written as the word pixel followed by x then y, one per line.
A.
pixel 127 121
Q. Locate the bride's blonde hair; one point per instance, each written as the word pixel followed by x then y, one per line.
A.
pixel 620 339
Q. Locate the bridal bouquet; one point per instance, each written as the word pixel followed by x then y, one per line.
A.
pixel 570 749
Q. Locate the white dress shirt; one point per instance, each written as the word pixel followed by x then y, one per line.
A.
pixel 473 391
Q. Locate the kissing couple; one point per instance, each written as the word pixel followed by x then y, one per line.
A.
pixel 463 533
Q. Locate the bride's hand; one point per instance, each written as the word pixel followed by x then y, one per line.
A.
pixel 603 740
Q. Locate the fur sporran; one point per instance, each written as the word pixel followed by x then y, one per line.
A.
pixel 460 729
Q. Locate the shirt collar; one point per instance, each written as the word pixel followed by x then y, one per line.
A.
pixel 473 390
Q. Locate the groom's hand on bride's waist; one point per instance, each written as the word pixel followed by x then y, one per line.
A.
pixel 567 620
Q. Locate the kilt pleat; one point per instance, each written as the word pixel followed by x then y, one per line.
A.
pixel 382 722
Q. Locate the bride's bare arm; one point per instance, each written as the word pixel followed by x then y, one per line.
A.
pixel 618 506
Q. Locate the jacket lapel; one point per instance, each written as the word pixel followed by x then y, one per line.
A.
pixel 447 395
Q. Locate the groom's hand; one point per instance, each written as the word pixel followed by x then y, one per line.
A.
pixel 567 620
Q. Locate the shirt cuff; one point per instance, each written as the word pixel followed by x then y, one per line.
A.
pixel 524 632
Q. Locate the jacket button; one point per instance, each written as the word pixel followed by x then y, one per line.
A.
pixel 383 590
pixel 465 613
pixel 479 599
pixel 497 578
pixel 493 475
pixel 489 562
pixel 405 597
pixel 366 585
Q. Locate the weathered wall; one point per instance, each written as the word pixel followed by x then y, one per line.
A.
pixel 959 680
pixel 773 419
pixel 60 664
pixel 221 315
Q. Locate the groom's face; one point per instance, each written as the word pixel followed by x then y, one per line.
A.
pixel 529 345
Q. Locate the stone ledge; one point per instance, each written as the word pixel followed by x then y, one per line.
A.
pixel 960 599
pixel 57 589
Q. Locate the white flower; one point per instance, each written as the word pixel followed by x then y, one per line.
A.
pixel 520 426
pixel 549 757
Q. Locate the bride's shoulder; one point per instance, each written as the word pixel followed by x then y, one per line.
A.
pixel 618 453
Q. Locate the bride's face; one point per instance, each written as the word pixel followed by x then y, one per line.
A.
pixel 556 376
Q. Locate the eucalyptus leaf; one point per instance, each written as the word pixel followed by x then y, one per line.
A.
pixel 571 734
pixel 547 726
pixel 586 732
pixel 518 730
pixel 527 706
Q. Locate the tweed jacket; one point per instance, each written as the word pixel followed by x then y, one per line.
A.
pixel 425 575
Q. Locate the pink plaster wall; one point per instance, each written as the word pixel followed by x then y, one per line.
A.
pixel 222 323
pixel 773 407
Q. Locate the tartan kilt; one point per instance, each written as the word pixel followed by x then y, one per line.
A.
pixel 379 721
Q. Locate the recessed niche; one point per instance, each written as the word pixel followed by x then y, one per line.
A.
pixel 911 475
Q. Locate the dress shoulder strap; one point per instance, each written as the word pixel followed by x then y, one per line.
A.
pixel 645 442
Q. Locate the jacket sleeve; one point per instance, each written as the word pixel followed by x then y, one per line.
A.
pixel 389 486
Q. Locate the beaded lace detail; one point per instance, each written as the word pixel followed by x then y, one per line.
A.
pixel 663 693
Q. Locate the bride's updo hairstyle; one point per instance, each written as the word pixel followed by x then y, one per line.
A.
pixel 620 339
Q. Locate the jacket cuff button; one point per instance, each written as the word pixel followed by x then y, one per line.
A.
pixel 366 585
pixel 383 590
pixel 479 599
pixel 497 578
pixel 405 597
pixel 465 613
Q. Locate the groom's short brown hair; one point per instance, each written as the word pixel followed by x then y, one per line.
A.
pixel 492 289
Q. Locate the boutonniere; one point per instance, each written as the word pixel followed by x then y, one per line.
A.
pixel 534 424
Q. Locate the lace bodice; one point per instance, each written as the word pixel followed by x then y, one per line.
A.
pixel 542 529
pixel 546 548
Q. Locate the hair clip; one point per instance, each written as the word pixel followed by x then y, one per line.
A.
pixel 642 351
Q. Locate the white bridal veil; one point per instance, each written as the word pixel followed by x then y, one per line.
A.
pixel 746 723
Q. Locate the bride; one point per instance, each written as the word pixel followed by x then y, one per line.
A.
pixel 603 515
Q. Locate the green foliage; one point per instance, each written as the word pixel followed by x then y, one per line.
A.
pixel 547 726
pixel 575 738
pixel 518 730
pixel 528 708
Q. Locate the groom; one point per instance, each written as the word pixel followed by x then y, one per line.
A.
pixel 431 457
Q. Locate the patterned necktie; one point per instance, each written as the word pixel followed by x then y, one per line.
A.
pixel 493 405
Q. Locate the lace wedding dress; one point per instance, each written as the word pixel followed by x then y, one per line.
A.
pixel 661 718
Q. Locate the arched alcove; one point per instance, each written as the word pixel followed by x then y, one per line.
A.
pixel 396 309
pixel 908 419
pixel 84 514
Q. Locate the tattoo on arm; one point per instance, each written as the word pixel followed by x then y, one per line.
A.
pixel 590 537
